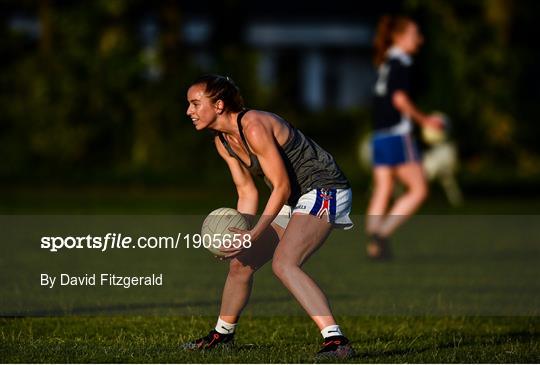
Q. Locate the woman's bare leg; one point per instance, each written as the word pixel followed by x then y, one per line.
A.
pixel 383 185
pixel 303 236
pixel 412 176
pixel 239 280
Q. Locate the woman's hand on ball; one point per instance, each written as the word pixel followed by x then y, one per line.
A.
pixel 434 121
pixel 239 246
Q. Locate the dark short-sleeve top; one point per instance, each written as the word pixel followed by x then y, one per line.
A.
pixel 394 74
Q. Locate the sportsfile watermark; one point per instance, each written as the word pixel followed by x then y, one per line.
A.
pixel 168 265
pixel 112 241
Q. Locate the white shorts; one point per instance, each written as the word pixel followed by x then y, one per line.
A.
pixel 332 204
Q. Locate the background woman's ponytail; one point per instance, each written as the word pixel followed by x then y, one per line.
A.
pixel 388 26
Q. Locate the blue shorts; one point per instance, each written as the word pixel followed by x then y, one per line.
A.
pixel 393 150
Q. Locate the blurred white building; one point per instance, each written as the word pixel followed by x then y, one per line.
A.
pixel 331 61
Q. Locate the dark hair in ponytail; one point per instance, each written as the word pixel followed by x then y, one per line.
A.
pixel 222 88
pixel 388 26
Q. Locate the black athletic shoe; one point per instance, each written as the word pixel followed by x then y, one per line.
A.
pixel 213 340
pixel 335 347
pixel 379 248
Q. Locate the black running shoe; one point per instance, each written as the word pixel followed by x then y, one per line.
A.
pixel 335 347
pixel 379 248
pixel 212 340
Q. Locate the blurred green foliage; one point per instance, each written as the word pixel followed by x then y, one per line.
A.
pixel 79 104
pixel 79 101
pixel 482 69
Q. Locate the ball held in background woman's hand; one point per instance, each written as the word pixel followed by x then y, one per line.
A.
pixel 433 135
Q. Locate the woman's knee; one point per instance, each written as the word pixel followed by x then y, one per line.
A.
pixel 280 268
pixel 420 191
pixel 384 189
pixel 240 271
pixel 383 185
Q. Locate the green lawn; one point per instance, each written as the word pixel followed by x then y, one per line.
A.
pixel 463 287
pixel 269 340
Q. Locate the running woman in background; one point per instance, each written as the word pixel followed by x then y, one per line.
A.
pixel 309 197
pixel 395 153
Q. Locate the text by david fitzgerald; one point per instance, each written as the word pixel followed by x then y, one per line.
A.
pixel 105 279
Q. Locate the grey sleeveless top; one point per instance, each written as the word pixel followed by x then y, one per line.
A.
pixel 308 165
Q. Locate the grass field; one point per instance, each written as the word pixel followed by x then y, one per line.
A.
pixel 463 288
pixel 269 340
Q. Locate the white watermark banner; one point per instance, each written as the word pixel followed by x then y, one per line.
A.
pixel 166 264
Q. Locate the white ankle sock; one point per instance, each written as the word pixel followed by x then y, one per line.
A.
pixel 225 328
pixel 332 330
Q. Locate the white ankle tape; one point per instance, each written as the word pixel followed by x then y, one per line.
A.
pixel 225 327
pixel 332 330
